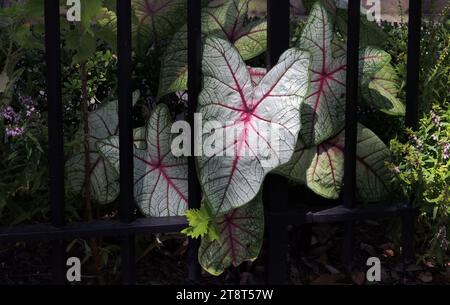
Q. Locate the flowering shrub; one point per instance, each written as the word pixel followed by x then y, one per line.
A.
pixel 15 122
pixel 421 167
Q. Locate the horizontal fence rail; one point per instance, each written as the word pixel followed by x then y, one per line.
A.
pixel 279 215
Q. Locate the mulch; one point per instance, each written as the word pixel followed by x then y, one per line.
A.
pixel 320 265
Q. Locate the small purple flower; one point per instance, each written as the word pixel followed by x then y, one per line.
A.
pixel 30 111
pixel 14 131
pixel 26 100
pixel 183 97
pixel 435 118
pixel 434 137
pixel 447 151
pixel 396 170
pixel 8 114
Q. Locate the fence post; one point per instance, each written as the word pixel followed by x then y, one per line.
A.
pixel 276 199
pixel 194 84
pixel 351 123
pixel 126 179
pixel 276 196
pixel 55 133
pixel 412 111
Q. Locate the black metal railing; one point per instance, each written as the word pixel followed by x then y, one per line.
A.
pixel 278 214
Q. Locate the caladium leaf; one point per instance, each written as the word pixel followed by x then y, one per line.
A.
pixel 227 21
pixel 251 40
pixel 240 236
pixel 160 18
pixel 322 114
pixel 233 174
pixel 381 92
pixel 103 123
pixel 160 179
pixel 174 68
pixel 321 167
pixel 139 137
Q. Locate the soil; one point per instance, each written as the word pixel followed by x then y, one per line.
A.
pixel 166 264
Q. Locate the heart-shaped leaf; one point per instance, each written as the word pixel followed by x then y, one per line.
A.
pixel 160 18
pixel 227 21
pixel 322 114
pixel 321 167
pixel 174 68
pixel 160 179
pixel 232 175
pixel 382 91
pixel 103 123
pixel 240 239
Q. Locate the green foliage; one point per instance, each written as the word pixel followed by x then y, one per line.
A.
pixel 160 44
pixel 434 58
pixel 240 238
pixel 201 224
pixel 228 21
pixel 422 169
pixel 318 159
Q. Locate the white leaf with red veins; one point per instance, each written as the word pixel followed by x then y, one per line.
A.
pixel 322 114
pixel 160 179
pixel 227 20
pixel 241 233
pixel 257 74
pixel 229 97
pixel 103 123
pixel 321 167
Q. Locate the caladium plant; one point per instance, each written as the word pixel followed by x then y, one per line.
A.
pixel 239 238
pixel 322 114
pixel 103 123
pixel 227 21
pixel 321 167
pixel 318 160
pixel 233 175
pixel 160 178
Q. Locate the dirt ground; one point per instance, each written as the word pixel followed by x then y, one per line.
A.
pixel 321 265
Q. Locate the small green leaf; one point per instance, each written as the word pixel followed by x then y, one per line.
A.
pixel 201 224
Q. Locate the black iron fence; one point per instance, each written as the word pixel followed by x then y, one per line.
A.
pixel 279 215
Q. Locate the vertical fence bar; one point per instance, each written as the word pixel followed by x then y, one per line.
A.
pixel 278 30
pixel 278 36
pixel 351 126
pixel 55 132
pixel 413 67
pixel 412 109
pixel 125 135
pixel 194 84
